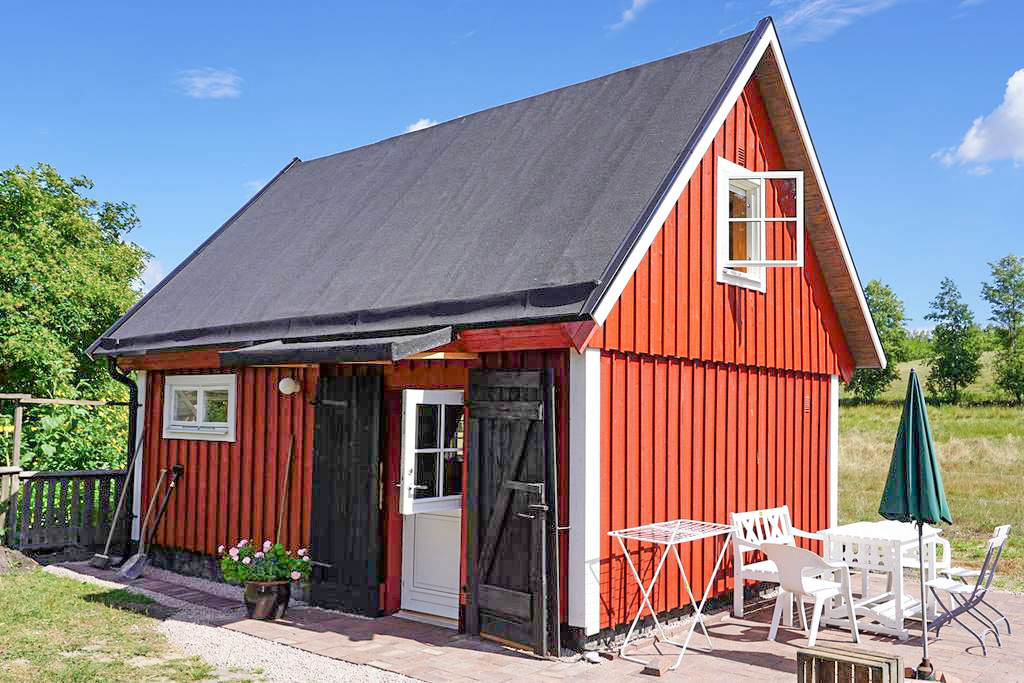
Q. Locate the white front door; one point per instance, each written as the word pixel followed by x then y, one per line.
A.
pixel 431 501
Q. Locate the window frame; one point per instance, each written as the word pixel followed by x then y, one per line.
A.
pixel 726 269
pixel 200 430
pixel 411 398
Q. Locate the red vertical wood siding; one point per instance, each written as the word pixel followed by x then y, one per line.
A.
pixel 686 439
pixel 673 306
pixel 235 490
pixel 714 397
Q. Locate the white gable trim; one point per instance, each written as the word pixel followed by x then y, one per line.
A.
pixel 769 40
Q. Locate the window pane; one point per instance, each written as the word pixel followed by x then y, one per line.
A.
pixel 452 474
pixel 742 199
pixel 743 238
pixel 781 242
pixel 780 200
pixel 216 406
pixel 426 475
pixel 427 417
pixel 453 418
pixel 185 405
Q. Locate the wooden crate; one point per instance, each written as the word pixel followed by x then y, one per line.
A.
pixel 847 665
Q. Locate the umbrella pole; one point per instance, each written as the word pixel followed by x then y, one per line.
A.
pixel 925 670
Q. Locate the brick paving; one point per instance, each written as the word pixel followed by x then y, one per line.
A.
pixel 741 652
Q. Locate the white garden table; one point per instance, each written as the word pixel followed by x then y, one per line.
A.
pixel 881 547
pixel 670 535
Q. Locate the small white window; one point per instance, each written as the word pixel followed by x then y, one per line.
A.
pixel 760 223
pixel 433 437
pixel 199 407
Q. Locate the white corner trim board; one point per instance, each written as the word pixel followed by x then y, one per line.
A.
pixel 833 451
pixel 585 490
pixel 769 41
pixel 140 425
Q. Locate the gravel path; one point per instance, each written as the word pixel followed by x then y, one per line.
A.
pixel 191 629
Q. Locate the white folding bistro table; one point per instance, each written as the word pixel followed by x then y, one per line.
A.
pixel 670 535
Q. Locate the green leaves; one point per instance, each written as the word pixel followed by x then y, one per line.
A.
pixel 66 274
pixel 244 562
pixel 887 310
pixel 1005 293
pixel 955 360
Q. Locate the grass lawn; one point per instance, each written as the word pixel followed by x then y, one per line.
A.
pixel 57 629
pixel 981 452
pixel 980 390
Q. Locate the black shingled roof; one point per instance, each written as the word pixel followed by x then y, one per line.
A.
pixel 512 214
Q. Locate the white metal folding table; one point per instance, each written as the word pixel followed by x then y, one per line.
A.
pixel 670 535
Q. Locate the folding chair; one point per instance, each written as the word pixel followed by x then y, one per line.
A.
pixel 965 573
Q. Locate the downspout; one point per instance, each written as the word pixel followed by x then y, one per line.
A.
pixel 133 412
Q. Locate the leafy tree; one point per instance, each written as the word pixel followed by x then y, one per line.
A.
pixel 919 344
pixel 887 310
pixel 66 274
pixel 955 360
pixel 1005 293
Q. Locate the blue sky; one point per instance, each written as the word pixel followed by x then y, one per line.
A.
pixel 185 109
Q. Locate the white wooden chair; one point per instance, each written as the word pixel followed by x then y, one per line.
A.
pixel 750 531
pixel 801 575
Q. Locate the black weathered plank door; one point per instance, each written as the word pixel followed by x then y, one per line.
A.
pixel 346 490
pixel 510 506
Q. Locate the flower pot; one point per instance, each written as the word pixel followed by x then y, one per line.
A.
pixel 267 600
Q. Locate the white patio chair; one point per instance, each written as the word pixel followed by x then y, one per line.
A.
pixel 751 530
pixel 966 599
pixel 800 576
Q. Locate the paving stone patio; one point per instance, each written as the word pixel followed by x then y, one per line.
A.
pixel 741 652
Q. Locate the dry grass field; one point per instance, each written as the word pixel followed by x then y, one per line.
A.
pixel 981 452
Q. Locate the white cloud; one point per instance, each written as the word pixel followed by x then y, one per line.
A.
pixel 420 125
pixel 152 274
pixel 629 14
pixel 209 83
pixel 808 21
pixel 996 136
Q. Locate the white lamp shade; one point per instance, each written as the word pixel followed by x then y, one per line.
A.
pixel 288 386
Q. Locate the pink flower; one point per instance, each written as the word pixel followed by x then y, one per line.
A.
pixel 259 555
pixel 220 550
pixel 246 560
pixel 301 552
pixel 306 558
pixel 267 545
pixel 296 576
pixel 233 553
pixel 234 558
pixel 243 543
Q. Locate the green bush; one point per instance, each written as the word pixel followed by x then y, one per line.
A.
pixel 270 562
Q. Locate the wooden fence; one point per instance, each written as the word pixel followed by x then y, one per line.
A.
pixel 52 510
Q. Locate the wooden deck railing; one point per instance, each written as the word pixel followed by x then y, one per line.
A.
pixel 60 509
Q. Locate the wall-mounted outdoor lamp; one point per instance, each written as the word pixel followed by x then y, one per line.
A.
pixel 288 386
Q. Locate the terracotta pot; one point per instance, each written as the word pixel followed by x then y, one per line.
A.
pixel 267 600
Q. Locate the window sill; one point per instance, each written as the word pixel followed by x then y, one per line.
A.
pixel 198 435
pixel 732 277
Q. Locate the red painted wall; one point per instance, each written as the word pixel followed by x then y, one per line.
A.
pixel 673 305
pixel 714 397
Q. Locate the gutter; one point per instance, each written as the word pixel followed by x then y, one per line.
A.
pixel 133 414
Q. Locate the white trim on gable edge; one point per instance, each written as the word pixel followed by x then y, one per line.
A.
pixel 768 40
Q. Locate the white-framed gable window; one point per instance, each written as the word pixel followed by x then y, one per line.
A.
pixel 433 438
pixel 759 221
pixel 200 407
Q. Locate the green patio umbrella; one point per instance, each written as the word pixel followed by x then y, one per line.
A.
pixel 913 490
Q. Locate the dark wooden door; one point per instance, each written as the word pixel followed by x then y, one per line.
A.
pixel 511 549
pixel 346 495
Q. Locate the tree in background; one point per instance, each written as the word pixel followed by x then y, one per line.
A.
pixel 66 274
pixel 887 310
pixel 919 344
pixel 955 360
pixel 1005 293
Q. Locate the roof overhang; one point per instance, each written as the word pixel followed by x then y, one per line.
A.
pixel 762 57
pixel 385 349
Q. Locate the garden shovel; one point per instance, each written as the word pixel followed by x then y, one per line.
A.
pixel 136 565
pixel 102 560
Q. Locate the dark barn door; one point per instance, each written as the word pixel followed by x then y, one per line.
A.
pixel 512 561
pixel 346 488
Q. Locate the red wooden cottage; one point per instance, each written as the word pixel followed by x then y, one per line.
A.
pixel 492 341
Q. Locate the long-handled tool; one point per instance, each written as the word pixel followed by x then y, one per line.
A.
pixel 102 560
pixel 287 487
pixel 145 520
pixel 134 567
